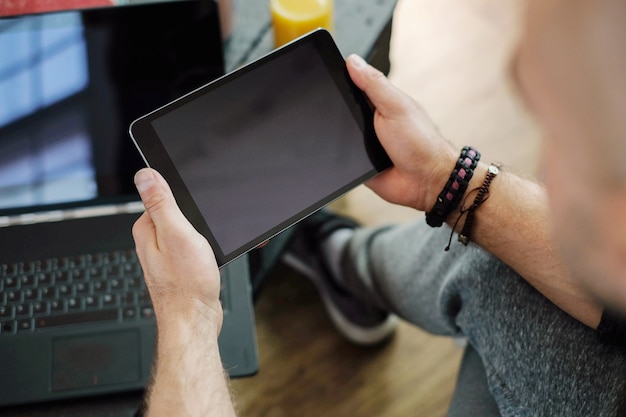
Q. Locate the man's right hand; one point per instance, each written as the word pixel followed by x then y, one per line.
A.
pixel 422 158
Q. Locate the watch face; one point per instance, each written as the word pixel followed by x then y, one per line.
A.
pixel 494 169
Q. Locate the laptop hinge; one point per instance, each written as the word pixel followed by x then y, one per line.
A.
pixel 68 214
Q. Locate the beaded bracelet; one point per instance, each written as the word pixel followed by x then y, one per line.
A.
pixel 451 195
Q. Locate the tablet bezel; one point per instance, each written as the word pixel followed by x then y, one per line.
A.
pixel 155 155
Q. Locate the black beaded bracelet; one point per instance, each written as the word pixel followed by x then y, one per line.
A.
pixel 451 195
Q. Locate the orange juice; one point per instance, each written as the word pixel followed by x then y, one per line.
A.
pixel 294 18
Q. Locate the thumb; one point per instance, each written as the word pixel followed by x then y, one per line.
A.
pixel 157 197
pixel 386 98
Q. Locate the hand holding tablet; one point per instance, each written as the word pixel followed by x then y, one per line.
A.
pixel 259 149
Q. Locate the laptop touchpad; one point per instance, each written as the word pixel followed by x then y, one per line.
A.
pixel 92 360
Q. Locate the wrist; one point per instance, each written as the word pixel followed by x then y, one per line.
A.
pixel 438 178
pixel 480 172
pixel 194 320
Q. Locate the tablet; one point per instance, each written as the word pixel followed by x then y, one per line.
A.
pixel 263 147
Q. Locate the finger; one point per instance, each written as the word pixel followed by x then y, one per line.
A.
pixel 388 100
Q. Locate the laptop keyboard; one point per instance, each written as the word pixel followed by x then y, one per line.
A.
pixel 72 290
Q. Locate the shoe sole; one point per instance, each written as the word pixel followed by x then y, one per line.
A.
pixel 355 334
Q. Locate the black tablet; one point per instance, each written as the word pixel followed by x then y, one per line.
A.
pixel 261 148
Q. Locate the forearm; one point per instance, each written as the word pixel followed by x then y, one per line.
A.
pixel 184 283
pixel 189 378
pixel 514 225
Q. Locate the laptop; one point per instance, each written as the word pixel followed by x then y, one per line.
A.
pixel 75 316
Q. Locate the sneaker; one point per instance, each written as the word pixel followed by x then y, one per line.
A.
pixel 357 321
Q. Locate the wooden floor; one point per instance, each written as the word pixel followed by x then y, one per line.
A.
pixel 452 56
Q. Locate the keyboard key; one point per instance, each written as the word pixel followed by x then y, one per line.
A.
pixel 8 326
pixel 91 302
pixel 147 312
pixel 128 268
pixel 13 296
pixel 29 294
pixel 103 259
pixel 27 268
pixel 22 310
pixel 74 303
pixel 144 297
pixel 47 293
pixel 63 276
pixel 57 306
pixel 40 307
pixel 114 271
pixel 129 313
pixel 10 269
pixel 42 279
pixel 134 283
pixel 96 273
pixel 64 290
pixel 81 288
pixel 109 300
pixel 128 257
pixel 77 318
pixel 62 263
pixel 116 285
pixel 10 282
pixel 25 325
pixel 79 275
pixel 47 279
pixel 128 298
pixel 26 281
pixel 46 265
pixel 78 261
pixel 6 312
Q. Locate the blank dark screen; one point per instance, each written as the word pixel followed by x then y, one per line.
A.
pixel 261 149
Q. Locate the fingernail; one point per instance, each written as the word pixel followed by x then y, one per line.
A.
pixel 357 61
pixel 143 180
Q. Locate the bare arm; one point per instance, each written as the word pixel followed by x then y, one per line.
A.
pixel 184 283
pixel 188 377
pixel 513 224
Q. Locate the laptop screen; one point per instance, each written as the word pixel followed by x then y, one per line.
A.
pixel 70 85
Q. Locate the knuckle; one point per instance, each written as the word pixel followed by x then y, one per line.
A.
pixel 377 74
pixel 139 226
pixel 155 202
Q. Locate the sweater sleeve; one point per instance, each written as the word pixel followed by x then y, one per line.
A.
pixel 612 328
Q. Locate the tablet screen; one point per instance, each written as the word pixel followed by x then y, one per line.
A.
pixel 267 145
